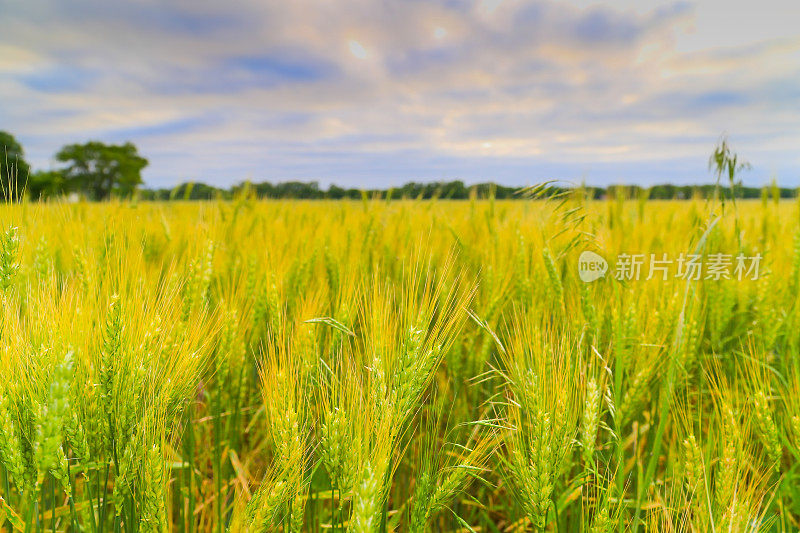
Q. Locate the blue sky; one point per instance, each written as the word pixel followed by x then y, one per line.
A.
pixel 369 93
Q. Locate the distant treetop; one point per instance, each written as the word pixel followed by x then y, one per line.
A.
pixel 14 169
pixel 98 169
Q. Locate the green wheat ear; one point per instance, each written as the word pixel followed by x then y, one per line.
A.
pixel 554 276
pixel 590 421
pixel 153 493
pixel 9 248
pixel 9 445
pixel 338 452
pixel 767 429
pixel 367 502
pixel 110 360
pixel 55 413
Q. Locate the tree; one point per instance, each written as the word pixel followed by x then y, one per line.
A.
pixel 45 183
pixel 98 169
pixel 14 170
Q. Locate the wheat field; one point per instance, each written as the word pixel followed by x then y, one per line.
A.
pixel 400 365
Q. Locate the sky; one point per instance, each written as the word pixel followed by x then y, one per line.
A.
pixel 369 93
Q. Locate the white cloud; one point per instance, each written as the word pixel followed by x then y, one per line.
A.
pixel 358 50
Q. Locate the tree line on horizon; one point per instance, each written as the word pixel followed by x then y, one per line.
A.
pixel 447 190
pixel 98 171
